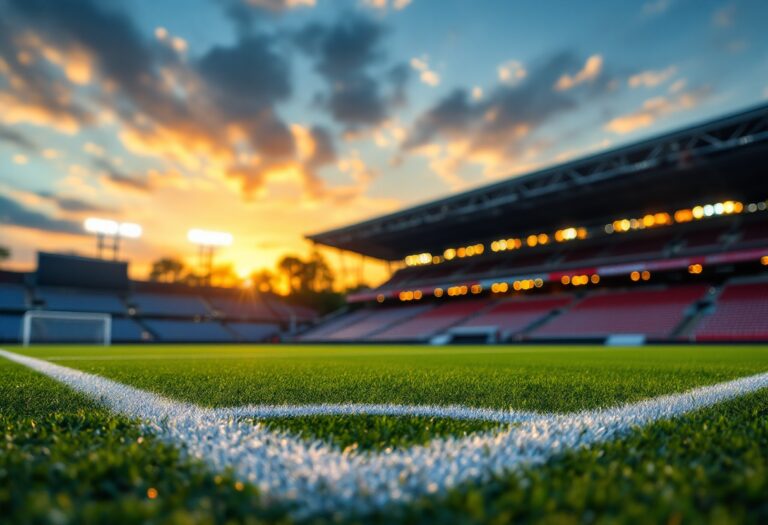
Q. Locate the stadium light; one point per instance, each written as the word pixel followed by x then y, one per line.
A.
pixel 101 226
pixel 207 242
pixel 108 229
pixel 209 238
pixel 130 230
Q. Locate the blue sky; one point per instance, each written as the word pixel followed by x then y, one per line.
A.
pixel 275 118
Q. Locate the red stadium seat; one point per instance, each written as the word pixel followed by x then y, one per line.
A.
pixel 741 314
pixel 429 323
pixel 514 315
pixel 653 313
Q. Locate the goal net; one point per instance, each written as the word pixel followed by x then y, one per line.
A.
pixel 66 327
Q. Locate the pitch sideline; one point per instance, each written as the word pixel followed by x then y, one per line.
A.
pixel 314 477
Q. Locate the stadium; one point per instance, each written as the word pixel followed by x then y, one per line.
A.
pixel 587 251
pixel 424 297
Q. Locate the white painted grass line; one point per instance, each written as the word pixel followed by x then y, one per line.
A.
pixel 315 478
pixel 359 409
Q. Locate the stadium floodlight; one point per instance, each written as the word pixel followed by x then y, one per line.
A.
pixel 209 238
pixel 207 242
pixel 112 230
pixel 101 226
pixel 130 230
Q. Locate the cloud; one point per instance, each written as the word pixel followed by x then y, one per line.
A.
pixel 511 72
pixel 246 77
pixel 591 70
pixel 656 7
pixel 654 109
pixel 273 5
pixel 349 56
pixel 724 17
pixel 397 5
pixel 497 129
pixel 214 116
pixel 651 78
pixel 504 113
pixel 16 214
pixel 17 139
pixel 118 177
pixel 72 204
pixel 427 75
pixel 247 15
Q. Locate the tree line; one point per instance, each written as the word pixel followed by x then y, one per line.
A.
pixel 307 281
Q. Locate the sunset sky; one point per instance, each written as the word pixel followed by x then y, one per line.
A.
pixel 270 119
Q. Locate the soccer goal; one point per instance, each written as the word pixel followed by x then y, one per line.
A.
pixel 66 327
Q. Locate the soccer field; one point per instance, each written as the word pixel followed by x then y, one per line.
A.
pixel 204 434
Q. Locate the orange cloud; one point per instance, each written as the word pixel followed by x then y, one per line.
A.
pixel 651 78
pixel 592 68
pixel 16 111
pixel 652 110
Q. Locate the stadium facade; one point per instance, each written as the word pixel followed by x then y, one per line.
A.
pixel 65 298
pixel 663 240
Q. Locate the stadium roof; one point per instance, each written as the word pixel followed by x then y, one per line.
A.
pixel 723 158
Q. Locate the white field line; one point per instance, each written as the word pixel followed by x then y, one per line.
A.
pixel 312 477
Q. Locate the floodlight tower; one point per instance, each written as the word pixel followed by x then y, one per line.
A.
pixel 207 242
pixel 108 234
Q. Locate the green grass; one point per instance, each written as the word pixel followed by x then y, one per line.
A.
pixel 708 467
pixel 527 378
pixel 65 460
pixel 378 432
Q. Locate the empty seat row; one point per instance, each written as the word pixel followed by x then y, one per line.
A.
pixel 80 301
pixel 13 297
pixel 740 314
pixel 652 313
pixel 377 321
pixel 426 324
pixel 515 315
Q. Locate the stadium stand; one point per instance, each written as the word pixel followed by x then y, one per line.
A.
pixel 652 313
pixel 172 331
pixel 640 246
pixel 741 314
pixel 128 331
pixel 73 300
pixel 140 311
pixel 754 233
pixel 10 328
pixel 168 305
pixel 428 323
pixel 254 332
pixel 377 321
pixel 513 316
pixel 12 297
pixel 244 307
pixel 327 328
pixel 543 256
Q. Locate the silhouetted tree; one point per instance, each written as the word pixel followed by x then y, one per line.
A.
pixel 316 275
pixel 224 275
pixel 167 270
pixel 263 280
pixel 292 269
pixel 5 253
pixel 310 282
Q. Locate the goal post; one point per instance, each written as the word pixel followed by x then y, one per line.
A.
pixel 39 326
